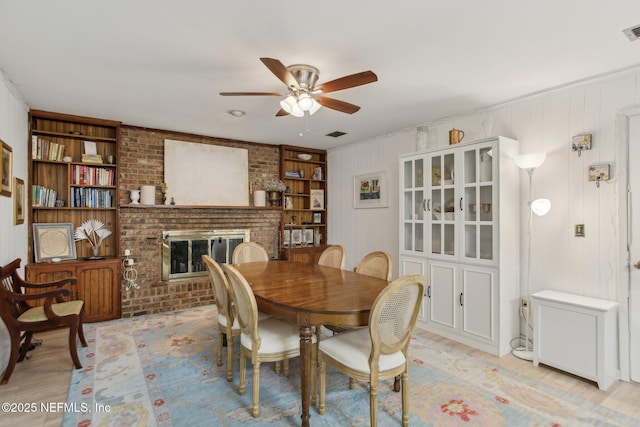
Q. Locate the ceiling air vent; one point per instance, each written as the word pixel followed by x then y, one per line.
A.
pixel 632 33
pixel 336 134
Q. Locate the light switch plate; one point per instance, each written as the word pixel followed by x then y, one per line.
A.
pixel 579 230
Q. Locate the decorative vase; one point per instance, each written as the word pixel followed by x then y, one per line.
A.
pixel 135 197
pixel 422 133
pixel 274 198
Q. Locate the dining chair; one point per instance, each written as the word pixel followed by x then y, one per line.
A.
pixel 333 256
pixel 380 351
pixel 269 340
pixel 228 326
pixel 377 264
pixel 21 317
pixel 249 252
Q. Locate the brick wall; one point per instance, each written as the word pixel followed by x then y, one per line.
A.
pixel 141 162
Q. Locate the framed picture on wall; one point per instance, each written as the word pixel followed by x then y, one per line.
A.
pixel 371 190
pixel 18 201
pixel 6 164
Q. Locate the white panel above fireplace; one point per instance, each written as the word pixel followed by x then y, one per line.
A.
pixel 206 175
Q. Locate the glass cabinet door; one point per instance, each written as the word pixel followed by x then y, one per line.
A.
pixel 413 204
pixel 478 203
pixel 442 205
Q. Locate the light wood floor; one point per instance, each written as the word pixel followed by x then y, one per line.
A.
pixel 45 378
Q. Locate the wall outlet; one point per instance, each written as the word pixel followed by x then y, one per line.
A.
pixel 579 230
pixel 524 302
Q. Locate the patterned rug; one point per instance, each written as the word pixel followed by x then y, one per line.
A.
pixel 159 370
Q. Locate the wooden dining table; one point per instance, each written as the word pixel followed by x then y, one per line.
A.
pixel 311 295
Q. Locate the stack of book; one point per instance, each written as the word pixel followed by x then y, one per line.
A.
pixel 291 174
pixel 91 158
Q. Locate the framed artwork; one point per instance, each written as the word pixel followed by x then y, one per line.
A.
pixel 6 163
pixel 317 200
pixel 307 236
pixel 317 218
pixel 286 237
pixel 53 240
pixel 18 201
pixel 371 190
pixel 296 236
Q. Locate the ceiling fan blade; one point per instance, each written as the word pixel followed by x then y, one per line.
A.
pixel 280 71
pixel 251 94
pixel 281 113
pixel 335 104
pixel 347 82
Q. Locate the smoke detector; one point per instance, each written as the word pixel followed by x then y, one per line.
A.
pixel 632 33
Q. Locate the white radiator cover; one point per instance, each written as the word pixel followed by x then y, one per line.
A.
pixel 576 334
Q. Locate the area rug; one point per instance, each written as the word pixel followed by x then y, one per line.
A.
pixel 160 370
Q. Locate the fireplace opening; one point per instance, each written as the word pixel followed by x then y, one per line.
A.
pixel 182 250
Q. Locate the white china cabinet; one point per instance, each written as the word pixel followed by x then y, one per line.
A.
pixel 459 216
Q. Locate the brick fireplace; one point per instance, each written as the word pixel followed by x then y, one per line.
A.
pixel 141 227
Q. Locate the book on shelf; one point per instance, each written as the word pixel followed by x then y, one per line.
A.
pixel 42 149
pixel 91 158
pixel 42 196
pixel 291 174
pixel 91 175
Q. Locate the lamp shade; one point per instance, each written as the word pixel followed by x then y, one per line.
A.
pixel 541 207
pixel 305 102
pixel 288 103
pixel 529 161
pixel 316 106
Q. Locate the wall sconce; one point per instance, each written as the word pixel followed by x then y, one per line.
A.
pixel 129 272
pixel 581 142
pixel 599 173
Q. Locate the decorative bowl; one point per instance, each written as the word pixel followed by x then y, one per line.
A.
pixel 304 156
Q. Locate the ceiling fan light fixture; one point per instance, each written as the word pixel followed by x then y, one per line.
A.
pixel 315 107
pixel 305 102
pixel 288 104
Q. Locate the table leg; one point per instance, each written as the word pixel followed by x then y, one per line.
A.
pixel 305 371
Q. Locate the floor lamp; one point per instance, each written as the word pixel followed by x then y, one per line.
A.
pixel 540 207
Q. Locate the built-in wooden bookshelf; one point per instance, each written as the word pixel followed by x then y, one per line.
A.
pixel 304 217
pixel 73 178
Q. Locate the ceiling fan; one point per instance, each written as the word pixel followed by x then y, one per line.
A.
pixel 303 93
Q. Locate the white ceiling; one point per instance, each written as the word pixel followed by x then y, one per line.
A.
pixel 162 63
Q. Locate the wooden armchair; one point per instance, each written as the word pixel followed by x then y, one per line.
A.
pixel 20 317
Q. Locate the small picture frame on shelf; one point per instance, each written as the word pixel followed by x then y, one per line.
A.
pixel 307 237
pixel 286 237
pixel 296 236
pixel 317 200
pixel 317 218
pixel 317 174
pixel 288 202
pixel 53 241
